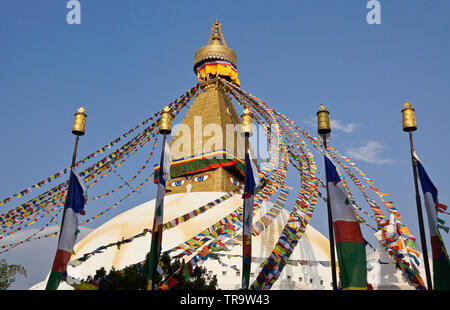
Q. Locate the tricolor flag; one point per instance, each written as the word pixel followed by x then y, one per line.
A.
pixel 350 244
pixel 155 249
pixel 76 199
pixel 441 262
pixel 251 185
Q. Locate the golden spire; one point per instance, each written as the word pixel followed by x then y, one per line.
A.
pixel 216 37
pixel 217 48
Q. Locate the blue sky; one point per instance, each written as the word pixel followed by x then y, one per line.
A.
pixel 127 59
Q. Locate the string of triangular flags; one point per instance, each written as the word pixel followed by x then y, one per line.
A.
pixel 37 208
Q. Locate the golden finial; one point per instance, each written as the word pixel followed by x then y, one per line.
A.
pixel 216 36
pixel 79 124
pixel 409 117
pixel 165 122
pixel 323 120
pixel 216 48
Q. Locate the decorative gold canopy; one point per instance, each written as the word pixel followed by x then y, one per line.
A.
pixel 216 49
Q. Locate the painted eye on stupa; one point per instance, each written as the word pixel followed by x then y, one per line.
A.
pixel 177 183
pixel 201 178
pixel 234 181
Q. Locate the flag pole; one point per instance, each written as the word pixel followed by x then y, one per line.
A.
pixel 165 127
pixel 74 156
pixel 78 129
pixel 409 125
pixel 248 206
pixel 324 128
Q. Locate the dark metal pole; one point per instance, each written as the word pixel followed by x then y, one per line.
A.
pixel 59 263
pixel 419 214
pixel 165 128
pixel 157 231
pixel 330 227
pixel 245 247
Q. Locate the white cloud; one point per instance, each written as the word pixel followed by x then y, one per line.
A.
pixel 335 125
pixel 369 153
pixel 347 128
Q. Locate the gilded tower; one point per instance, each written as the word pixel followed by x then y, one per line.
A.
pixel 207 147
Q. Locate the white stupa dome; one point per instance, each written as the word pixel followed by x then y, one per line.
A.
pixel 313 246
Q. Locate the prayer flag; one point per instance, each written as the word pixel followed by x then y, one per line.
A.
pixel 76 199
pixel 349 240
pixel 251 185
pixel 158 225
pixel 441 262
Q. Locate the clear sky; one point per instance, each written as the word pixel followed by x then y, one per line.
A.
pixel 127 59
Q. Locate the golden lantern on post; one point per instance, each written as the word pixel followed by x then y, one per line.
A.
pixel 165 128
pixel 409 125
pixel 323 120
pixel 165 122
pixel 79 123
pixel 78 129
pixel 324 128
pixel 246 122
pixel 409 118
pixel 247 214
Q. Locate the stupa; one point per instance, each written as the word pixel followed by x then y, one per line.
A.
pixel 205 166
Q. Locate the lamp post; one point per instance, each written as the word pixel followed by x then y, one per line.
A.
pixel 324 128
pixel 165 127
pixel 62 255
pixel 78 129
pixel 246 122
pixel 409 125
